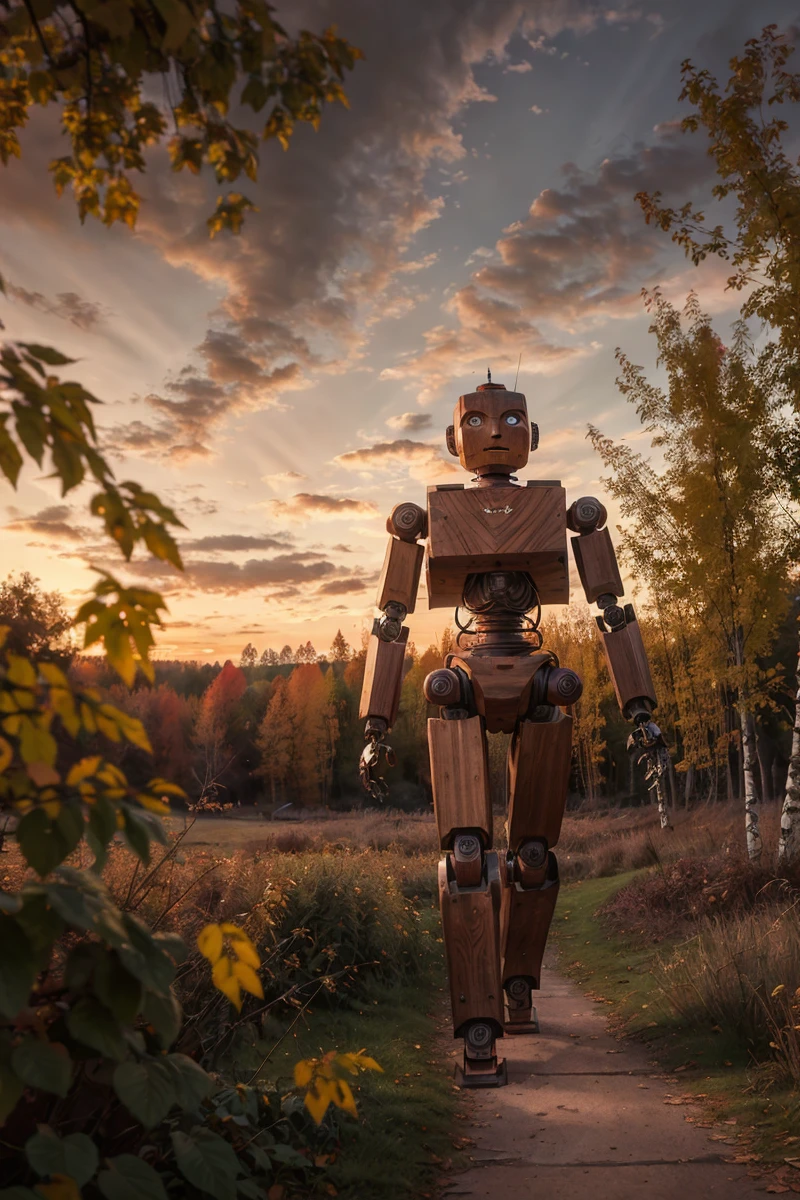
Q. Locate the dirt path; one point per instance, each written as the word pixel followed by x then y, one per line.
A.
pixel 584 1117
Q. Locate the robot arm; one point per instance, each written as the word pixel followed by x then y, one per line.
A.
pixel 383 673
pixel 622 638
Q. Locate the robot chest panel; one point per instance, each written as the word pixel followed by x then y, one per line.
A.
pixel 510 528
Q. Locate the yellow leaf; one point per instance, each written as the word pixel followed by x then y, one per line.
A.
pixel 303 1072
pixel 6 754
pixel 61 1187
pixel 232 930
pixel 246 952
pixel 224 979
pixel 52 808
pixel 152 804
pixel 134 731
pixel 368 1064
pixel 54 675
pixel 83 769
pixel 42 774
pixel 343 1097
pixel 248 979
pixel 109 729
pixel 317 1100
pixel 164 785
pixel 776 991
pixel 21 671
pixel 209 942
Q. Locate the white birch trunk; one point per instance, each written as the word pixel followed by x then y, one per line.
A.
pixel 789 839
pixel 749 764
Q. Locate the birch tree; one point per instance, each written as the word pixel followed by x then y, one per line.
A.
pixel 746 124
pixel 706 530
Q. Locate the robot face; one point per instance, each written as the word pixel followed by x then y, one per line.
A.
pixel 491 429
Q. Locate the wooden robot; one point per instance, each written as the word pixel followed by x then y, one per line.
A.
pixel 499 551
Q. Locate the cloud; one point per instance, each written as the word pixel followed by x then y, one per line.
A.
pixel 539 111
pixel 56 522
pixel 519 68
pixel 420 459
pixel 69 306
pixel 279 480
pixel 342 549
pixel 305 504
pixel 337 214
pixel 408 422
pixel 340 587
pixel 232 578
pixel 578 259
pixel 235 541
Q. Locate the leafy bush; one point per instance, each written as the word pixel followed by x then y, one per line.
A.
pixel 343 916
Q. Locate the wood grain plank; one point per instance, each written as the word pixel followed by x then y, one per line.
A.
pixel 460 778
pixel 526 923
pixel 498 528
pixel 539 761
pixel 597 564
pixel 471 928
pixel 628 666
pixel 399 579
pixel 383 678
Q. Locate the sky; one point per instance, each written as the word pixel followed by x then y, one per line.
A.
pixel 284 389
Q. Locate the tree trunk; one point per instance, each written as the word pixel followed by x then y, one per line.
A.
pixel 752 832
pixel 688 790
pixel 789 839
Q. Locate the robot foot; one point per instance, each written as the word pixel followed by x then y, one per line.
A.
pixel 481 1068
pixel 520 1014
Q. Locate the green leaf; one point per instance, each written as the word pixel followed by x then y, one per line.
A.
pixel 146 1089
pixel 91 1023
pixel 46 354
pixel 11 1088
pixel 18 968
pixel 120 991
pixel 10 457
pixel 41 841
pixel 164 1014
pixel 115 16
pixel 130 1178
pixel 207 1161
pixel 192 1083
pixel 44 1065
pixel 74 1155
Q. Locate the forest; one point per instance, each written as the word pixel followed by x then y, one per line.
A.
pixel 282 728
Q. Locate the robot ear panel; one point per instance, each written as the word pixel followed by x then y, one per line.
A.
pixel 451 440
pixel 534 436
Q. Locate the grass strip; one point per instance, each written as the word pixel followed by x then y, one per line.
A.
pixel 406 1127
pixel 710 1064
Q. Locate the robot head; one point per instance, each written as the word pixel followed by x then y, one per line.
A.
pixel 491 433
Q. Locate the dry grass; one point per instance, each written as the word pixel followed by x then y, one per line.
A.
pixel 741 974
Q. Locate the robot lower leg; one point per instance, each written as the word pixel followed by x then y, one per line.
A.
pixel 538 770
pixel 470 894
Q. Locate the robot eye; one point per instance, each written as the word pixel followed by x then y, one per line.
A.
pixel 512 419
pixel 475 420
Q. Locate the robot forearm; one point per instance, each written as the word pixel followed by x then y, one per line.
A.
pixel 622 638
pixel 383 670
pixel 397 594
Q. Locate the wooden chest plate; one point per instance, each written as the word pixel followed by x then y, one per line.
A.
pixel 496 529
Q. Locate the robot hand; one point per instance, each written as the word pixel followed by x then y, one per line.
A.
pixel 647 742
pixel 370 762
